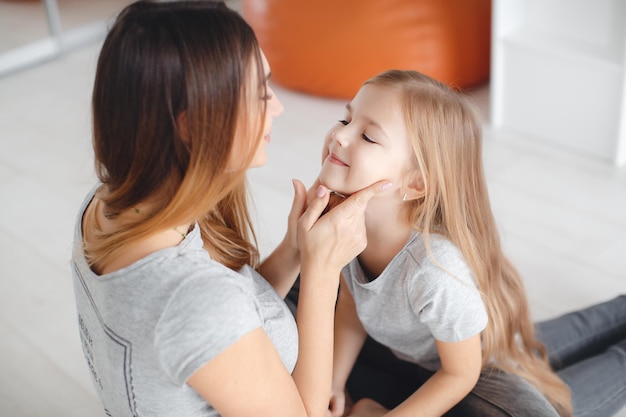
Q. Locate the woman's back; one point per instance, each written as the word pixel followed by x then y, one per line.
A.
pixel 147 327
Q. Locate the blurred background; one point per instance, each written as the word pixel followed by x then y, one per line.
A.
pixel 548 77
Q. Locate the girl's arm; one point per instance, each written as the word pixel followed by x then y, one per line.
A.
pixel 349 339
pixel 281 268
pixel 461 364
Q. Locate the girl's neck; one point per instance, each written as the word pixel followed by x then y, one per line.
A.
pixel 388 231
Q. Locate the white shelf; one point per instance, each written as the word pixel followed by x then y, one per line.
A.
pixel 559 73
pixel 610 55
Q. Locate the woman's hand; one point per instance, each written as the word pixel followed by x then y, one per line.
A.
pixel 335 198
pixel 333 240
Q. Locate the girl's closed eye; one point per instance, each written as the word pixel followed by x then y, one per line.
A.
pixel 367 138
pixel 363 135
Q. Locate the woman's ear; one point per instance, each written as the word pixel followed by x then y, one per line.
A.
pixel 183 127
pixel 414 187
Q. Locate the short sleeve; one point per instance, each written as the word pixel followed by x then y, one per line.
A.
pixel 446 299
pixel 203 317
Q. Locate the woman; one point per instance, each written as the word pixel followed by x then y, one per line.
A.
pixel 174 317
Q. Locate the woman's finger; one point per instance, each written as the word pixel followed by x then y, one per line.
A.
pixel 314 208
pixel 310 195
pixel 299 200
pixel 357 202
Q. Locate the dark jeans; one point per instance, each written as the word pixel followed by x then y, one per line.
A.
pixel 587 348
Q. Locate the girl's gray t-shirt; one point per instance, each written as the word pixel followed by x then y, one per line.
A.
pixel 145 329
pixel 416 300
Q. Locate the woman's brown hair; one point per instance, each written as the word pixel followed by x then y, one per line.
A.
pixel 447 140
pixel 172 102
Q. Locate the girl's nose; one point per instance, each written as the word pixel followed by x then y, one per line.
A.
pixel 340 136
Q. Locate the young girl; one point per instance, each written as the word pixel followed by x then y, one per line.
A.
pixel 174 316
pixel 433 284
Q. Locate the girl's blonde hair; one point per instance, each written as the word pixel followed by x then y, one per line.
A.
pixel 446 137
pixel 158 62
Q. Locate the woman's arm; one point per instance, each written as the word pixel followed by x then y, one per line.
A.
pixel 249 378
pixel 246 379
pixel 281 268
pixel 349 339
pixel 313 372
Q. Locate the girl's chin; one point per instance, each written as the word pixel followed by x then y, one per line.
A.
pixel 338 191
pixel 327 181
pixel 329 184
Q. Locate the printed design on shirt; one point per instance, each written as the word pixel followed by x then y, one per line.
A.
pixel 88 345
pixel 93 330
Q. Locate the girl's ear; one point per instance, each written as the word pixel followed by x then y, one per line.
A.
pixel 414 187
pixel 183 126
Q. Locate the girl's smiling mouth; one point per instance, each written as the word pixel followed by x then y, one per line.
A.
pixel 334 159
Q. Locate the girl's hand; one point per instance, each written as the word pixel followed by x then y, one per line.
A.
pixel 367 407
pixel 337 405
pixel 333 240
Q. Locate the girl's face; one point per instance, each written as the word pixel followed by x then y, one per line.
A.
pixel 274 109
pixel 369 144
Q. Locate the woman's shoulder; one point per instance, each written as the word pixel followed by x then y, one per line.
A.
pixel 190 264
pixel 197 286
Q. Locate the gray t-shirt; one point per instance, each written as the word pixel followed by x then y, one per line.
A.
pixel 414 301
pixel 147 328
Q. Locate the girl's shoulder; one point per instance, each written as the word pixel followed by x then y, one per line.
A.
pixel 437 259
pixel 424 250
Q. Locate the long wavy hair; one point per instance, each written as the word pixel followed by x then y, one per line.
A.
pixel 160 61
pixel 447 140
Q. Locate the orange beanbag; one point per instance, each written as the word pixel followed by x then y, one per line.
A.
pixel 330 47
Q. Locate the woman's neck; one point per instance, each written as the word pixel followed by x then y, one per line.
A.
pixel 95 222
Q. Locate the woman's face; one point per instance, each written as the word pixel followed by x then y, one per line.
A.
pixel 274 109
pixel 369 144
pixel 257 97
